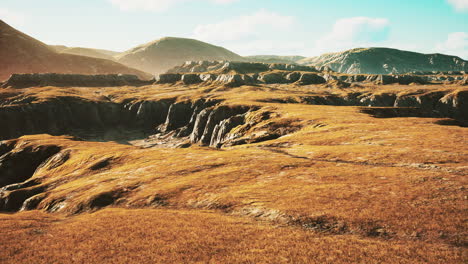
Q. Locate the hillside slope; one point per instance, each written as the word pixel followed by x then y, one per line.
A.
pixel 20 53
pixel 160 55
pixel 385 61
pixel 275 58
pixel 93 53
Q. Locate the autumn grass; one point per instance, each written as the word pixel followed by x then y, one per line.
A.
pixel 178 236
pixel 345 188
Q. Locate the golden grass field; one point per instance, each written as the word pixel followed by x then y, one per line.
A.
pixel 345 187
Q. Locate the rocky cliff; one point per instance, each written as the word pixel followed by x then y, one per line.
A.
pixel 248 73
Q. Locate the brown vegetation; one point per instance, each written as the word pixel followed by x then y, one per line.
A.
pixel 341 187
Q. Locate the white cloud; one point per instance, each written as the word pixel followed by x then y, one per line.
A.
pixel 460 5
pixel 12 17
pixel 243 26
pixel 157 5
pixel 257 33
pixel 267 47
pixel 354 32
pixel 456 44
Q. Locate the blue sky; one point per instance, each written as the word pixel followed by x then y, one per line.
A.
pixel 248 27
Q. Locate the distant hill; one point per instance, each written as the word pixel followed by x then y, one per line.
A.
pixel 386 61
pixel 160 55
pixel 93 53
pixel 20 53
pixel 274 58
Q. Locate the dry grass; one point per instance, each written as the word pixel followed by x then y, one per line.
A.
pixel 170 236
pixel 393 189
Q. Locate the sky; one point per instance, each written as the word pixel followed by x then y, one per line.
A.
pixel 248 27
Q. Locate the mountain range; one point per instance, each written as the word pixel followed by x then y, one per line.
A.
pixel 385 61
pixel 20 53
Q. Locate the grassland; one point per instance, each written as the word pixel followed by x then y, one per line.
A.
pixel 344 188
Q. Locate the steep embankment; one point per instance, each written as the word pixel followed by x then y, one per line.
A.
pixel 20 53
pixel 386 61
pixel 160 55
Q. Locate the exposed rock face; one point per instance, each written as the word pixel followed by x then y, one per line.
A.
pixel 65 115
pixel 20 53
pixel 72 80
pixel 11 173
pixel 429 104
pixel 400 79
pixel 238 67
pixel 242 73
pixel 195 120
pixel 214 119
pixel 386 61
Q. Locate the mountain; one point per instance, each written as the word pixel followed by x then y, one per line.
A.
pixel 20 53
pixel 275 58
pixel 93 53
pixel 386 61
pixel 160 55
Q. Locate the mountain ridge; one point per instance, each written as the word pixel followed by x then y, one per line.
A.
pixel 21 53
pixel 162 54
pixel 380 60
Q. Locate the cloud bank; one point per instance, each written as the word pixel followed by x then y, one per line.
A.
pixel 251 34
pixel 354 32
pixel 456 44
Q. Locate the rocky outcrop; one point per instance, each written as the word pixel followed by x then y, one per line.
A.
pixel 242 73
pixel 199 121
pixel 191 78
pixel 451 104
pixel 29 157
pixel 272 77
pixel 238 67
pixel 168 78
pixel 67 115
pixel 310 78
pixel 214 119
pixel 72 80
